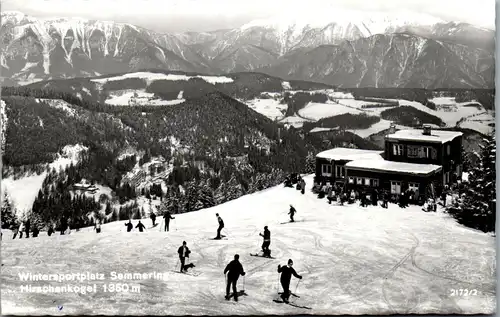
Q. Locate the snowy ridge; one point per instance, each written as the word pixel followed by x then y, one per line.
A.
pixel 409 261
pixel 150 77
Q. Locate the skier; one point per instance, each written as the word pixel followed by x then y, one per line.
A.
pixel 267 242
pixel 97 226
pixel 385 199
pixel 234 269
pixel 331 195
pixel 21 229
pixel 167 216
pixel 286 275
pixel 302 186
pixel 15 230
pixel 50 231
pixel 140 226
pixel 129 225
pixel 35 231
pixel 374 197
pixel 292 212
pixel 27 226
pixel 183 254
pixel 221 226
pixel 153 218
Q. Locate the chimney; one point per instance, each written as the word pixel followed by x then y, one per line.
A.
pixel 392 128
pixel 427 130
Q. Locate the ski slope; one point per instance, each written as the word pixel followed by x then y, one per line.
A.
pixel 354 261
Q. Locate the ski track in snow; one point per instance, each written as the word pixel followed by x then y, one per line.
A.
pixel 354 261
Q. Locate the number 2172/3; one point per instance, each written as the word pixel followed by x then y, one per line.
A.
pixel 463 292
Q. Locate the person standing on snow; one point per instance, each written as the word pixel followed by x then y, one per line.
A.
pixel 167 216
pixel 153 218
pixel 286 276
pixel 221 226
pixel 302 186
pixel 183 252
pixel 97 226
pixel 21 229
pixel 140 226
pixel 27 228
pixel 129 225
pixel 292 212
pixel 267 242
pixel 234 269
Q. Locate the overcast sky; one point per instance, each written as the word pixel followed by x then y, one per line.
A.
pixel 207 15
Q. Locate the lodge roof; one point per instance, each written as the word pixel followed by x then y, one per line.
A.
pixel 348 154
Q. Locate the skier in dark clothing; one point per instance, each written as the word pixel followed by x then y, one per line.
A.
pixel 267 242
pixel 183 254
pixel 291 213
pixel 385 200
pixel 167 216
pixel 153 218
pixel 221 226
pixel 302 186
pixel 35 231
pixel 286 275
pixel 50 231
pixel 64 225
pixel 129 226
pixel 27 228
pixel 140 226
pixel 234 269
pixel 374 197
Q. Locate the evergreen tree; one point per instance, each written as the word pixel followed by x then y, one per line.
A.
pixel 310 163
pixel 476 205
pixel 8 213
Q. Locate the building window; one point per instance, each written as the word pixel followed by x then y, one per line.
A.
pixel 360 181
pixel 351 180
pixel 374 182
pixel 326 170
pixel 459 171
pixel 367 182
pixel 413 186
pixel 339 171
pixel 448 149
pixel 395 187
pixel 413 151
pixel 397 149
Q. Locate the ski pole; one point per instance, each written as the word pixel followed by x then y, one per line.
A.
pixel 296 286
pixel 178 260
pixel 243 283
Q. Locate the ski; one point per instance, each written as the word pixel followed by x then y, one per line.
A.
pixel 291 294
pixel 188 273
pixel 262 256
pixel 291 304
pixel 218 239
pixel 240 293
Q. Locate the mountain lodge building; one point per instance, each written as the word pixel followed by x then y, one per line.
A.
pixel 412 159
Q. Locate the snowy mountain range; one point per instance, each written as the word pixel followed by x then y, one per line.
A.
pixel 339 48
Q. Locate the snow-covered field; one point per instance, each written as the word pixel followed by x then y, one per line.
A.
pixel 317 111
pixel 23 191
pixel 150 77
pixel 268 107
pixel 139 97
pixel 354 261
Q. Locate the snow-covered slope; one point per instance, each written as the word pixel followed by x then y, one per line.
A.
pixel 22 190
pixel 354 261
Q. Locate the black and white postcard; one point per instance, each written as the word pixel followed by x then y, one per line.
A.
pixel 230 157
